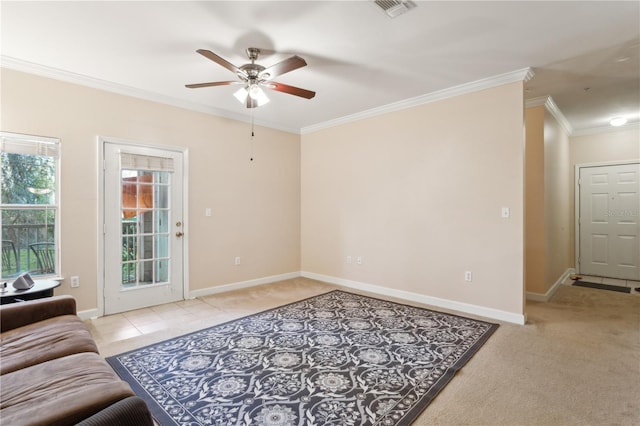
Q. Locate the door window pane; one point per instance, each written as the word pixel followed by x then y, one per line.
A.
pixel 161 246
pixel 145 226
pixel 162 272
pixel 162 220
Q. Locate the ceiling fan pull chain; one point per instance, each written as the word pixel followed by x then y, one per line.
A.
pixel 252 135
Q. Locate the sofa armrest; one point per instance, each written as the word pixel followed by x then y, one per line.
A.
pixel 19 314
pixel 131 411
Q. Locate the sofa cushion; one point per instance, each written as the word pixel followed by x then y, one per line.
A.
pixel 60 392
pixel 43 341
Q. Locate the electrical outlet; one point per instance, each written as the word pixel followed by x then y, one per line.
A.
pixel 237 260
pixel 467 276
pixel 75 282
pixel 359 260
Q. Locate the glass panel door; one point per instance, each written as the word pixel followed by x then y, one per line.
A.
pixel 143 227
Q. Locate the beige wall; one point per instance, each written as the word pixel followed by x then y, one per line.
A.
pixel 617 145
pixel 418 194
pixel 535 247
pixel 620 145
pixel 557 201
pixel 548 200
pixel 256 205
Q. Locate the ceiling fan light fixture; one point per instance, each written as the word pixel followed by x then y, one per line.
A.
pixel 241 95
pixel 258 95
pixel 253 91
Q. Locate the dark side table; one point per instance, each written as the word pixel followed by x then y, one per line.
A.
pixel 40 289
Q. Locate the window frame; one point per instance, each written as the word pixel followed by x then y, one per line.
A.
pixel 56 207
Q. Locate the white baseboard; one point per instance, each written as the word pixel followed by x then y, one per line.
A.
pixel 242 284
pixel 495 314
pixel 88 314
pixel 492 313
pixel 539 297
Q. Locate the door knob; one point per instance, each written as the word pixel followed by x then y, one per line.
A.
pixel 179 234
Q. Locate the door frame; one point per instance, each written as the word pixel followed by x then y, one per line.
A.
pixel 102 140
pixel 576 208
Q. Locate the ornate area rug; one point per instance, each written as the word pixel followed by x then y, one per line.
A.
pixel 334 359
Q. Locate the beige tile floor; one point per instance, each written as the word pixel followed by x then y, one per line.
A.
pixel 121 332
pixel 575 362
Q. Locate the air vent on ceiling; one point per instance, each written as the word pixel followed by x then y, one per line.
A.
pixel 394 8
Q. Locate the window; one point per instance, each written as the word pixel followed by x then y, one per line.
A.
pixel 29 205
pixel 145 182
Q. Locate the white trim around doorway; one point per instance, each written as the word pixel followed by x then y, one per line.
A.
pixel 576 205
pixel 101 140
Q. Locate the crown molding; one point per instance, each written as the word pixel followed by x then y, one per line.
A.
pixel 8 62
pixel 534 102
pixel 553 109
pixel 606 129
pixel 121 89
pixel 524 74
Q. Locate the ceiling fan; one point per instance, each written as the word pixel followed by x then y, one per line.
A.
pixel 254 76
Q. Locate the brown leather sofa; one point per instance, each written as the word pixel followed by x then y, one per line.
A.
pixel 51 372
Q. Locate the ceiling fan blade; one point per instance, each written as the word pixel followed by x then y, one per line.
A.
pixel 292 90
pixel 220 61
pixel 293 63
pixel 215 83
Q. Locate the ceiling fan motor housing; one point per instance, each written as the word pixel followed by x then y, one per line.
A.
pixel 251 71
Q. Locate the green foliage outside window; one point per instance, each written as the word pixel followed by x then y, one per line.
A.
pixel 28 203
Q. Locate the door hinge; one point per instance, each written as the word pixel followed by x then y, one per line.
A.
pixel 579 260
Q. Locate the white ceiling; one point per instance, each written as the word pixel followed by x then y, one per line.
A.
pixel 584 54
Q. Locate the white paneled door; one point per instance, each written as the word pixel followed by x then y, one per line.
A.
pixel 143 226
pixel 609 227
